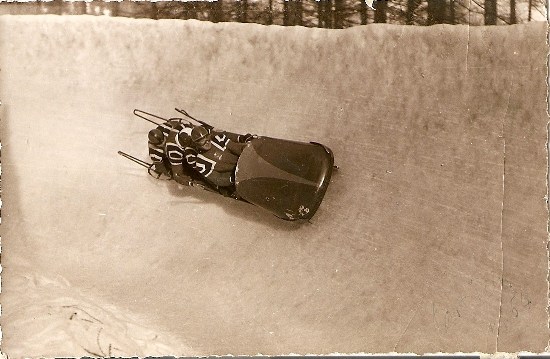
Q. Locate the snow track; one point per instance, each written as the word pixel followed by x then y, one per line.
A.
pixel 416 247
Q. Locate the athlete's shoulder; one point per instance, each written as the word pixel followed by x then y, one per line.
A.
pixel 177 124
pixel 217 131
pixel 190 150
pixel 183 139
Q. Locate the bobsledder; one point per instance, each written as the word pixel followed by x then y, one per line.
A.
pixel 287 178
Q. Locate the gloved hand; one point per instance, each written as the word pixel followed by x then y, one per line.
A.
pixel 161 169
pixel 173 122
pixel 246 138
pixel 205 125
pixel 225 191
pixel 183 180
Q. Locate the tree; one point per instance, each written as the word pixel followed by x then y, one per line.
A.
pixel 325 13
pixel 113 7
pixel 242 10
pixel 339 14
pixel 76 8
pixel 452 13
pixel 154 10
pixel 513 18
pixel 54 7
pixel 380 11
pixel 190 9
pixel 363 12
pixel 436 11
pixel 270 12
pixel 215 9
pixel 286 11
pixel 490 12
pixel 299 13
pixel 321 13
pixel 412 5
pixel 292 12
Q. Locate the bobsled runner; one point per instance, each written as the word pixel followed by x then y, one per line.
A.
pixel 287 178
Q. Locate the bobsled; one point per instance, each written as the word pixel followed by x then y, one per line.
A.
pixel 286 178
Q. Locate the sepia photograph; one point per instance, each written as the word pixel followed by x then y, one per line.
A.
pixel 273 177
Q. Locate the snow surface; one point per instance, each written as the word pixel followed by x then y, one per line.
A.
pixel 432 236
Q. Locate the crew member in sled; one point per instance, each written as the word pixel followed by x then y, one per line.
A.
pixel 172 141
pixel 157 144
pixel 214 154
pixel 176 143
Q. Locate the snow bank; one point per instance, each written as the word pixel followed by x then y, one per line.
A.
pixel 55 320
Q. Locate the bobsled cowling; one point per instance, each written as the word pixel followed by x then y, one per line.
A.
pixel 287 178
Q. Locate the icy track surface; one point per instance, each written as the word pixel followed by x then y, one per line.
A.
pixel 432 236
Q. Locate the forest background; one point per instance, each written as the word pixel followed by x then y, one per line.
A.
pixel 334 14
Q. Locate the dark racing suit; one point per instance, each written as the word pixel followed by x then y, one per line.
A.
pixel 217 165
pixel 158 153
pixel 175 151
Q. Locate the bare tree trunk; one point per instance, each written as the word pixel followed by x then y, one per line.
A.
pixel 76 7
pixel 436 11
pixel 88 8
pixel 292 12
pixel 184 10
pixel 513 18
pixel 270 12
pixel 412 5
pixel 299 12
pixel 363 12
pixel 113 6
pixel 43 7
pixel 530 7
pixel 328 14
pixel 286 13
pixel 239 10
pixel 57 7
pixel 132 8
pixel 216 11
pixel 380 11
pixel 490 12
pixel 321 13
pixel 452 13
pixel 154 10
pixel 338 14
pixel 244 11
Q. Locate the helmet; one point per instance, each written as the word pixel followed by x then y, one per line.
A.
pixel 198 134
pixel 183 139
pixel 156 136
pixel 174 121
